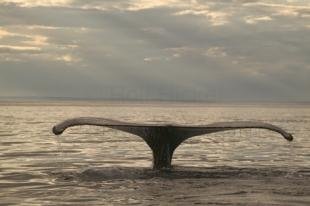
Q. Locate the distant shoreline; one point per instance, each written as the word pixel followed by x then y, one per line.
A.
pixel 155 103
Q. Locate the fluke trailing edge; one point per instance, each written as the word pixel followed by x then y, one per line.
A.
pixel 163 139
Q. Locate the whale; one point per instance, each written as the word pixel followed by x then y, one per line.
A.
pixel 163 139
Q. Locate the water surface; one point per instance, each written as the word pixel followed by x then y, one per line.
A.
pixel 96 165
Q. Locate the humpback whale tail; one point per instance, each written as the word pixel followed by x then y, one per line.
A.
pixel 163 139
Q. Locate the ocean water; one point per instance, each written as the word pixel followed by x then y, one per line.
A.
pixel 89 165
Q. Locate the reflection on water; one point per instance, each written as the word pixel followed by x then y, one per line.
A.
pixel 96 165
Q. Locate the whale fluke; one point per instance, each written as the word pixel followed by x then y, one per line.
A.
pixel 163 139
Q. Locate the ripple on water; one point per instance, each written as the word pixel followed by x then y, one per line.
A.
pixel 221 172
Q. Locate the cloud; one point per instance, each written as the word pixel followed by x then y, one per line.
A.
pixel 184 49
pixel 212 52
pixel 153 30
pixel 68 58
pixel 9 49
pixel 34 3
pixel 23 43
pixel 5 33
pixel 151 59
pixel 131 5
pixel 216 52
pixel 36 40
pixel 288 8
pixel 137 5
pixel 216 17
pixel 223 47
pixel 256 19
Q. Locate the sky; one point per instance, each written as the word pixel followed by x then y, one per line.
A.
pixel 215 50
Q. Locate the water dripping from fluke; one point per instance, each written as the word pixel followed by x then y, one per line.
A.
pixel 60 163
